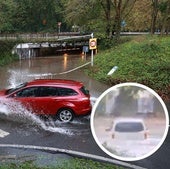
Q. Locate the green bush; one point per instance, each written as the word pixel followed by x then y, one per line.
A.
pixel 6 55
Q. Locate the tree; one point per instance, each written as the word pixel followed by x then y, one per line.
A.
pixel 83 13
pixel 122 9
pixel 107 8
pixel 105 15
pixel 36 15
pixel 139 18
pixel 155 5
pixel 115 11
pixel 161 7
pixel 7 9
pixel 30 15
pixel 165 11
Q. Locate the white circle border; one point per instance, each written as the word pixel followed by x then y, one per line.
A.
pixel 166 118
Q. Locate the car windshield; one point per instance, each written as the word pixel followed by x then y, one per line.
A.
pixel 84 90
pixel 9 91
pixel 129 127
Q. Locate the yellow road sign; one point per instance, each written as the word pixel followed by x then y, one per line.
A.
pixel 93 43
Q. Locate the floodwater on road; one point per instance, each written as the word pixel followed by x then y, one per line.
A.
pixel 48 67
pixel 129 145
pixel 26 129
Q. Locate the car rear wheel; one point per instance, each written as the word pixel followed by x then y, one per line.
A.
pixel 65 115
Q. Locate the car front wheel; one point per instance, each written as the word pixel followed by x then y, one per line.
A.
pixel 65 115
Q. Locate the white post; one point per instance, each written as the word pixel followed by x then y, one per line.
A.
pixel 92 59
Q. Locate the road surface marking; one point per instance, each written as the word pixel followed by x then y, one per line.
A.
pixel 3 133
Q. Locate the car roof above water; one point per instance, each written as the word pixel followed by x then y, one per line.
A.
pixel 128 119
pixel 129 124
pixel 55 82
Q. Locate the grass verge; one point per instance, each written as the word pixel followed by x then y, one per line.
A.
pixel 145 60
pixel 75 163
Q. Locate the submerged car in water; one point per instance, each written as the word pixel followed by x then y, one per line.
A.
pixel 129 129
pixel 60 98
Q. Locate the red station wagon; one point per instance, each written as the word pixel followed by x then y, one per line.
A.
pixel 63 99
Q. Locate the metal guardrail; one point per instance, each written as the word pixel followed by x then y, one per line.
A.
pixel 58 36
pixel 28 36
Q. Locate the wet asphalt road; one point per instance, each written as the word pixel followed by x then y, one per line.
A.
pixel 32 134
pixel 76 135
pixel 73 136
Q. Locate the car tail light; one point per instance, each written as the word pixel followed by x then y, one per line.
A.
pixel 145 135
pixel 113 136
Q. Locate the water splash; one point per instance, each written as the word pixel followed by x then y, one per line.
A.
pixel 93 100
pixel 19 113
pixel 16 112
pixel 17 77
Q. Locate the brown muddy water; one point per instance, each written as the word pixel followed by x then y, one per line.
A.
pixel 48 67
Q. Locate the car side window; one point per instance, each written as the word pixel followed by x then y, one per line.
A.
pixel 48 91
pixel 84 90
pixel 28 92
pixel 67 92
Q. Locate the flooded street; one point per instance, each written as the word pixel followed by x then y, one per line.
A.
pixel 47 67
pixel 24 128
pixel 124 146
pixel 21 127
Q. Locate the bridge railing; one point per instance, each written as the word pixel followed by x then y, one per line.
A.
pixel 28 36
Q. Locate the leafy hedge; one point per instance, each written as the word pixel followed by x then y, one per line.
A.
pixel 145 60
pixel 6 55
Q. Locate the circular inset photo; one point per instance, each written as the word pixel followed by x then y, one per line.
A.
pixel 129 121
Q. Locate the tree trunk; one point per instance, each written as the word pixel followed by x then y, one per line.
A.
pixel 108 17
pixel 106 5
pixel 118 19
pixel 166 20
pixel 154 15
